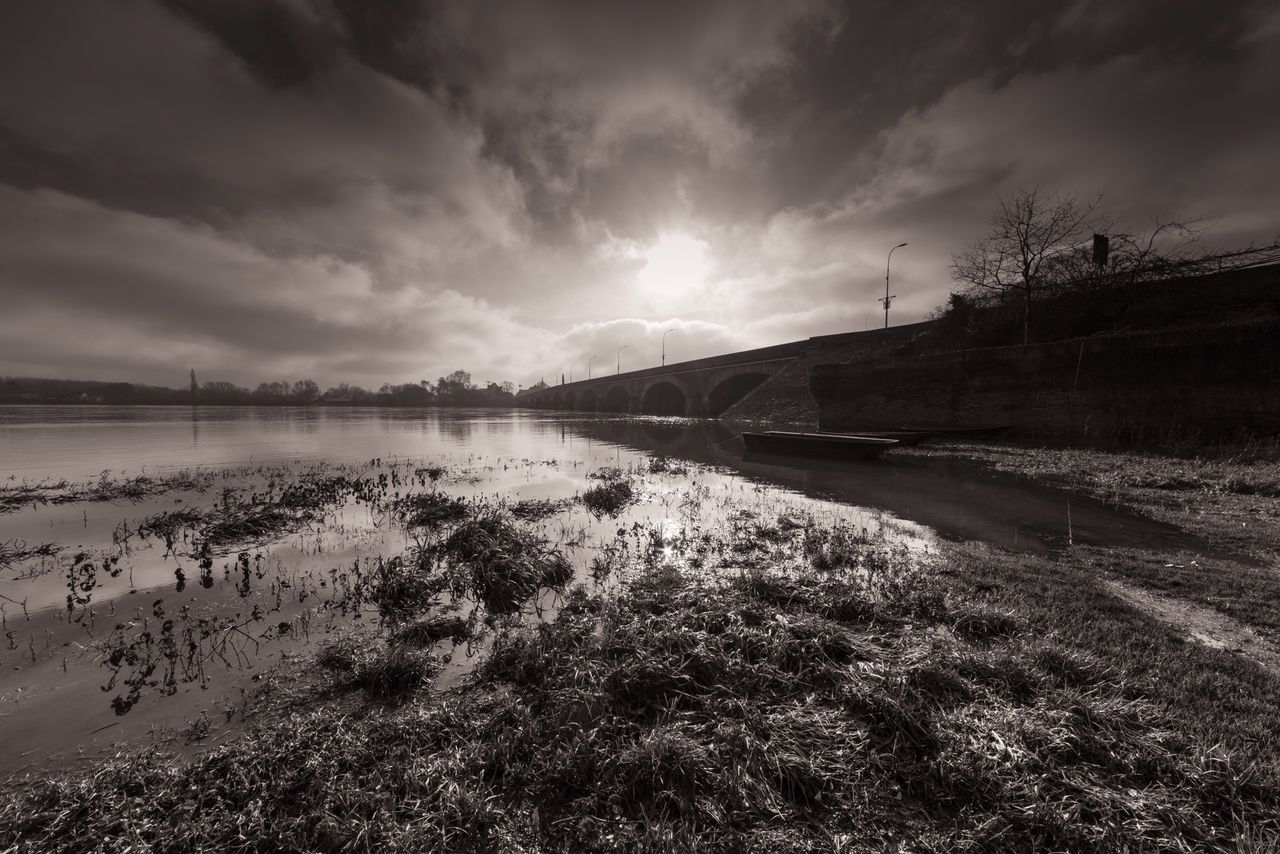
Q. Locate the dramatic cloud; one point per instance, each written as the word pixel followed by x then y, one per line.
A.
pixel 367 192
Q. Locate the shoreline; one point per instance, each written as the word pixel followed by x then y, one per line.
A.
pixel 787 683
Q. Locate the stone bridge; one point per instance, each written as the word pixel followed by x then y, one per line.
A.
pixel 700 388
pixel 706 388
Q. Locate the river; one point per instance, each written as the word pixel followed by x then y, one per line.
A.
pixel 100 586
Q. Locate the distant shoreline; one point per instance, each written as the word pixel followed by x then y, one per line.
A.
pixel 316 405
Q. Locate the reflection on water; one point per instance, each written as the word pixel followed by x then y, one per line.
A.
pixel 279 593
pixel 958 501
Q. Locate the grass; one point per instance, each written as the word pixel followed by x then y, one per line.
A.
pixel 501 565
pixel 984 702
pixel 15 496
pixel 660 464
pixel 171 526
pixel 608 498
pixel 405 586
pixel 430 510
pixel 235 521
pixel 433 629
pixel 811 687
pixel 386 673
pixel 18 550
pixel 1224 498
pixel 1215 696
pixel 536 509
pixel 1224 494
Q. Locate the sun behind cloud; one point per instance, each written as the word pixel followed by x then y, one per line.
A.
pixel 675 265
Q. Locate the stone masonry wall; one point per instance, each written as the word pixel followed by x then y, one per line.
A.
pixel 1206 382
pixel 785 398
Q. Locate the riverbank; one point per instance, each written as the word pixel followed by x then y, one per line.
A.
pixel 765 678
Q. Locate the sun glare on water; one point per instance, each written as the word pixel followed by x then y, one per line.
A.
pixel 675 264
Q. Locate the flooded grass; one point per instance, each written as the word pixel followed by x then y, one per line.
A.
pixel 15 496
pixel 237 521
pixel 719 672
pixel 432 630
pixel 388 673
pixel 537 509
pixel 404 586
pixel 660 464
pixel 17 550
pixel 718 712
pixel 429 510
pixel 501 565
pixel 608 498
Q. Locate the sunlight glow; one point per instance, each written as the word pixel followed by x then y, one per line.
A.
pixel 675 264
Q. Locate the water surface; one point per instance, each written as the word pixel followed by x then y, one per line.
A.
pixel 60 623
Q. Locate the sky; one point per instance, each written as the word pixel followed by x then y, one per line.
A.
pixel 368 192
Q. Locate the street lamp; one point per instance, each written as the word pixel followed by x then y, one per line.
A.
pixel 887 298
pixel 664 346
pixel 589 367
pixel 620 349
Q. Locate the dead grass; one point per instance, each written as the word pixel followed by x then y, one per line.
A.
pixel 501 565
pixel 389 673
pixel 430 510
pixel 608 498
pixel 990 702
pixel 17 550
pixel 432 630
pixel 536 509
pixel 14 496
pixel 236 521
pixel 665 465
pixel 405 586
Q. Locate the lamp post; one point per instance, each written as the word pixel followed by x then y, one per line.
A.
pixel 620 349
pixel 887 298
pixel 589 367
pixel 664 346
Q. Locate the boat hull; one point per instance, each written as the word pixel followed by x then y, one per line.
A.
pixel 989 431
pixel 903 437
pixel 817 445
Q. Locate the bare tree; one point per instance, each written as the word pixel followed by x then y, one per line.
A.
pixel 1165 248
pixel 1028 229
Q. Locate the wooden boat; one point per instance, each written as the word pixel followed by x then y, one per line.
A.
pixel 823 445
pixel 989 431
pixel 904 437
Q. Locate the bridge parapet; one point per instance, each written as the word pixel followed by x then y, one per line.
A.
pixel 708 386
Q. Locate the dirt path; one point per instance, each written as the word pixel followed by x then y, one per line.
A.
pixel 1200 624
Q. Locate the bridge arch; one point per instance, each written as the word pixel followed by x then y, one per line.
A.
pixel 731 390
pixel 617 400
pixel 590 401
pixel 664 398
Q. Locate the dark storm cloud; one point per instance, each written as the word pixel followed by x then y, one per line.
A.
pixel 290 42
pixel 281 42
pixel 365 191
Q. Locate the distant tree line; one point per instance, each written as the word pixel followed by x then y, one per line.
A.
pixel 456 389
